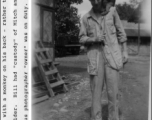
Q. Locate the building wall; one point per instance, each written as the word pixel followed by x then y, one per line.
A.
pixel 36 25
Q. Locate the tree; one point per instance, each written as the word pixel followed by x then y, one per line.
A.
pixel 125 11
pixel 135 3
pixel 136 17
pixel 66 19
pixel 130 12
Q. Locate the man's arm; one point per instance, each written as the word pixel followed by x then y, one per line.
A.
pixel 125 52
pixel 83 37
pixel 121 35
pixel 124 45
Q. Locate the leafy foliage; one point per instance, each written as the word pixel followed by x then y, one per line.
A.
pixel 135 2
pixel 130 12
pixel 66 19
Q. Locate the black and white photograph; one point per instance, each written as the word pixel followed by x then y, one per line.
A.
pixel 90 59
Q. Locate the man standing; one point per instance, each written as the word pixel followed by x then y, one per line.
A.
pixel 101 32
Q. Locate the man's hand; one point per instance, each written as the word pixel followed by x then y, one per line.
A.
pixel 96 39
pixel 125 56
pixel 83 49
pixel 100 39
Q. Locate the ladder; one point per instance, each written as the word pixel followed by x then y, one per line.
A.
pixel 50 75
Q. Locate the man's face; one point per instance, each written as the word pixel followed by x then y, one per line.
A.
pixel 96 4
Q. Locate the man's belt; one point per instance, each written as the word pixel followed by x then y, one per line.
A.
pixel 95 44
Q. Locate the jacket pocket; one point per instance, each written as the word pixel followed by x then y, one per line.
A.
pixel 92 61
pixel 113 57
pixel 110 26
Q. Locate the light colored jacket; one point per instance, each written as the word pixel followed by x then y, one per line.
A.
pixel 114 34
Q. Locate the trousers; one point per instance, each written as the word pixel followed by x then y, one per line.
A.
pixel 100 71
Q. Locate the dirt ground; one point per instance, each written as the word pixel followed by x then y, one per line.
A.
pixel 75 104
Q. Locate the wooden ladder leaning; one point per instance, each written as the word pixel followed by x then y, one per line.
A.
pixel 52 79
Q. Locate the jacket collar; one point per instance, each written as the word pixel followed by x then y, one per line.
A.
pixel 92 14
